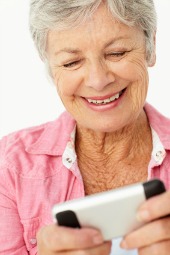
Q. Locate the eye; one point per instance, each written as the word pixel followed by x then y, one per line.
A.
pixel 71 64
pixel 117 54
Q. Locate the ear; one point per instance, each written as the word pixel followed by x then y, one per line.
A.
pixel 152 60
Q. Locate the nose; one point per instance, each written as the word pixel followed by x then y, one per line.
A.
pixel 98 76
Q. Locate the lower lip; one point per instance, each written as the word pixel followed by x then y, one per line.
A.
pixel 104 107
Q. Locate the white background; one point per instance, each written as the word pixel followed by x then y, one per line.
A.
pixel 28 98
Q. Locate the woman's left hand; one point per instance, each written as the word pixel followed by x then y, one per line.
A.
pixel 154 237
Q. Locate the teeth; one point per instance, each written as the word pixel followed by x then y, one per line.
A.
pixel 105 101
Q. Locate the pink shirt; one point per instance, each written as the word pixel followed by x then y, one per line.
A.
pixel 38 169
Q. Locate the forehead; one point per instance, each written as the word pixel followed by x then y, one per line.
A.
pixel 99 29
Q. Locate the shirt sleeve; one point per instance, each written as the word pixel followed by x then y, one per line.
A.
pixel 11 229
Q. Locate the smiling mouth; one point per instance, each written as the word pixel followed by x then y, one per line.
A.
pixel 107 100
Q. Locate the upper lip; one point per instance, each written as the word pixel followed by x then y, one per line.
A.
pixel 103 97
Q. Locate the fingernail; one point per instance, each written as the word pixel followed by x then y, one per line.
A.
pixel 143 216
pixel 98 239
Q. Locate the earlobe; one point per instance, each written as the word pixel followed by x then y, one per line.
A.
pixel 152 60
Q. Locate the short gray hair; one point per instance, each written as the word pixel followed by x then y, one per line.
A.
pixel 46 15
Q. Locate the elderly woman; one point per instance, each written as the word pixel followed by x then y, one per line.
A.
pixel 97 53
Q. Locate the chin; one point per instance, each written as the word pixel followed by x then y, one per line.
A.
pixel 105 128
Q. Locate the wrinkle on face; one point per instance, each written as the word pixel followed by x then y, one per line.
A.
pixel 90 40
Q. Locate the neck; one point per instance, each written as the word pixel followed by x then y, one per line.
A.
pixel 122 144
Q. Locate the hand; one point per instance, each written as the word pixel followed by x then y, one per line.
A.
pixel 154 237
pixel 53 240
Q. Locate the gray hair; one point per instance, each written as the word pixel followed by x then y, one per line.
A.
pixel 46 15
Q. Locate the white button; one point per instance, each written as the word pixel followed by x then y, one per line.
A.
pixel 69 160
pixel 159 154
pixel 33 241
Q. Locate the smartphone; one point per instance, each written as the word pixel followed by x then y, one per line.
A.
pixel 113 211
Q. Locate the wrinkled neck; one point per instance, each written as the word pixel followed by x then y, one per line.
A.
pixel 124 143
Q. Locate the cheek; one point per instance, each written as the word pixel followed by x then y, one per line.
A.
pixel 136 74
pixel 134 70
pixel 138 89
pixel 140 78
pixel 67 83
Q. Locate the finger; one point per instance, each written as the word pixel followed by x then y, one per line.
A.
pixel 156 207
pixel 63 238
pixel 103 249
pixel 147 235
pixel 161 248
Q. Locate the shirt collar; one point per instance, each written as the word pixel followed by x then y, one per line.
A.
pixel 158 151
pixel 69 156
pixel 160 124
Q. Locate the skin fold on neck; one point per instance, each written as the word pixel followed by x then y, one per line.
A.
pixel 122 143
pixel 114 155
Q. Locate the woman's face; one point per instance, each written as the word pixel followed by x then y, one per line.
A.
pixel 100 71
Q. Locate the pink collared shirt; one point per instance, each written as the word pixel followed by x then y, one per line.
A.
pixel 38 168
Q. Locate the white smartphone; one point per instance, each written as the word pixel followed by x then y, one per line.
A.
pixel 113 211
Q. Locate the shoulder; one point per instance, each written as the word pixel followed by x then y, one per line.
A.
pixel 159 122
pixel 18 140
pixel 24 149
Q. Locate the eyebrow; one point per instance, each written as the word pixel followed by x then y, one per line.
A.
pixel 77 51
pixel 112 41
pixel 68 50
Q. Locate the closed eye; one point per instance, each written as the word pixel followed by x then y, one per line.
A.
pixel 71 64
pixel 117 54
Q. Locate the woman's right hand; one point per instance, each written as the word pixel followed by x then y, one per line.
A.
pixel 53 240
